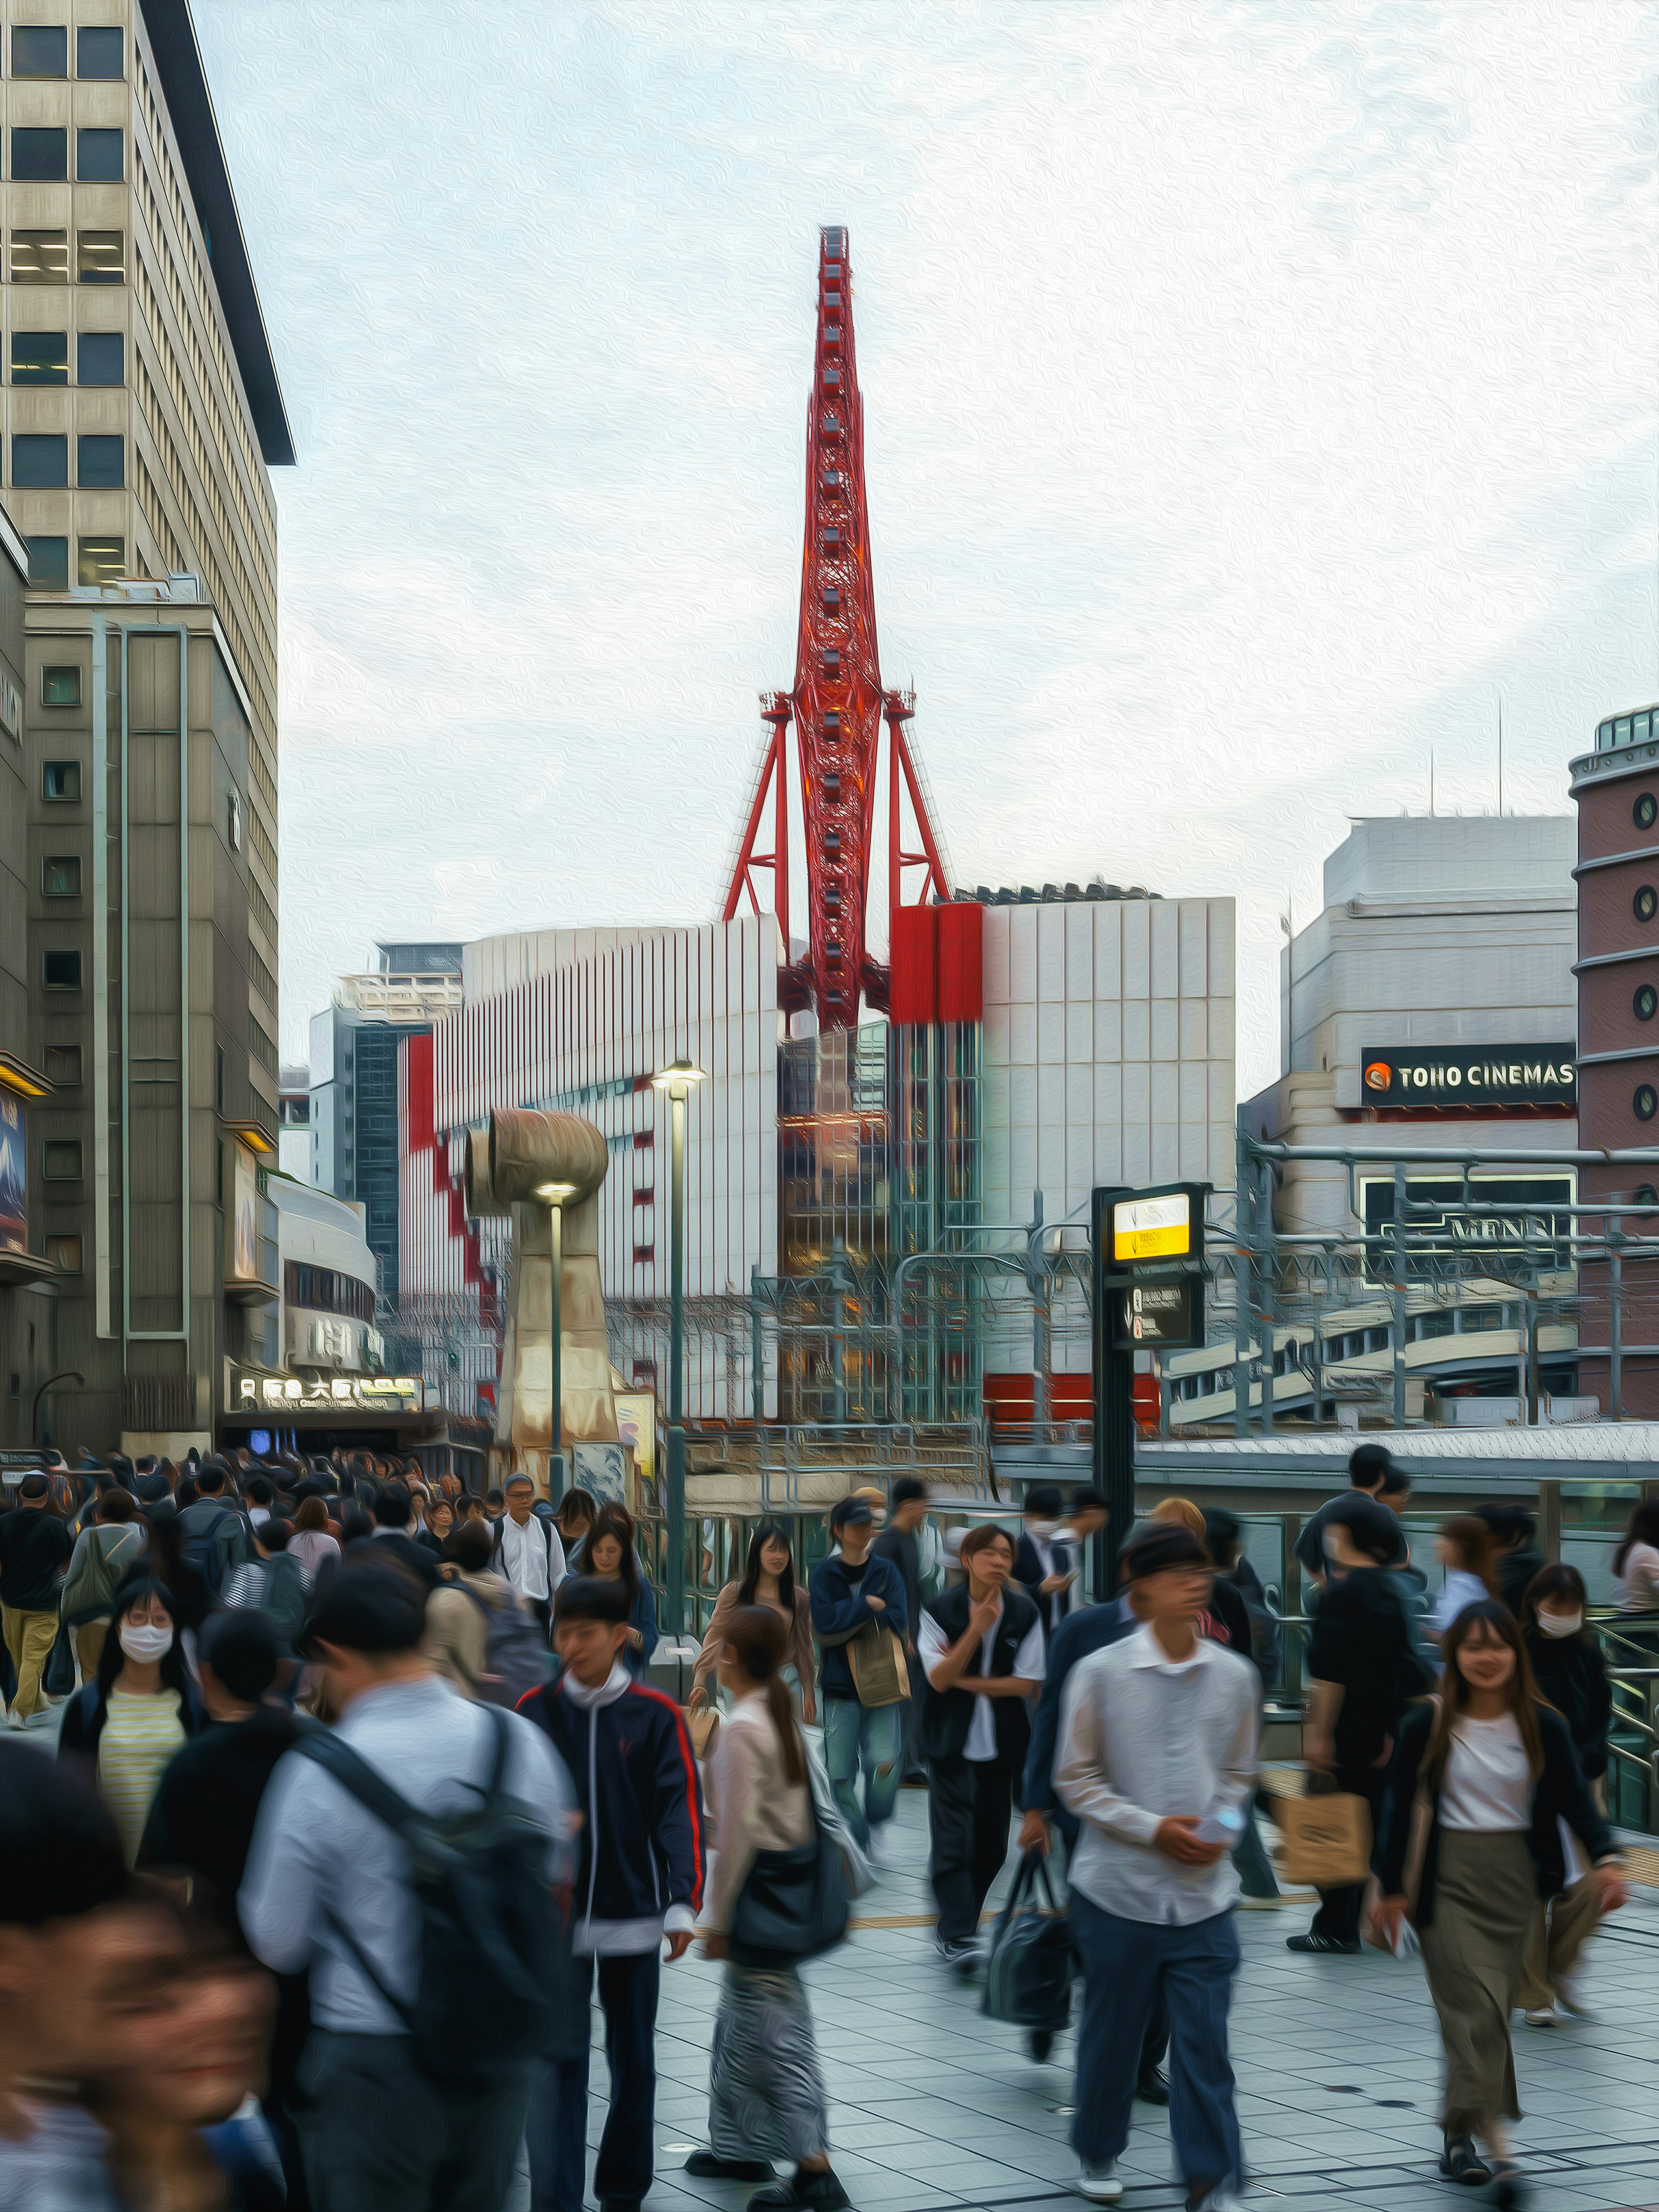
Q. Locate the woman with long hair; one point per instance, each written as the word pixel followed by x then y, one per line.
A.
pixel 1483 1783
pixel 1636 1561
pixel 138 1709
pixel 574 1516
pixel 766 2095
pixel 1466 1550
pixel 610 1555
pixel 767 1579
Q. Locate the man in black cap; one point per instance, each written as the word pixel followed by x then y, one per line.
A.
pixel 856 1595
pixel 1044 1564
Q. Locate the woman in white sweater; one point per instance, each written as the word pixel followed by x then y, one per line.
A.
pixel 766 2097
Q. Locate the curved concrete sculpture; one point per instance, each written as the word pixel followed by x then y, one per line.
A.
pixel 507 1163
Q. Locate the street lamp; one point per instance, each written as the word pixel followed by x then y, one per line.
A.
pixel 555 1195
pixel 677 1079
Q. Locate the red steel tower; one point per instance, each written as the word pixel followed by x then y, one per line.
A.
pixel 837 708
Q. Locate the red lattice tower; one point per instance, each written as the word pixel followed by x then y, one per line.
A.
pixel 836 706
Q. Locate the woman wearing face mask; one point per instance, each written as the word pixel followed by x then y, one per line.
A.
pixel 1572 1676
pixel 129 1719
pixel 1484 1797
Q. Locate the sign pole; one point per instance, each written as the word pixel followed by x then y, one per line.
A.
pixel 1115 1428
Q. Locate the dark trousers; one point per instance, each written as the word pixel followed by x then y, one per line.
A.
pixel 1126 1964
pixel 1155 2044
pixel 558 2107
pixel 969 1803
pixel 381 2136
pixel 1339 1909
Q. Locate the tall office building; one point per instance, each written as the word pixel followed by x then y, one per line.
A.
pixel 142 415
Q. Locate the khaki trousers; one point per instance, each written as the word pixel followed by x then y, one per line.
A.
pixel 1486 1893
pixel 89 1645
pixel 29 1638
pixel 1558 1933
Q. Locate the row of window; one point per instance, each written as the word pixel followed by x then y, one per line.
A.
pixel 43 357
pixel 41 50
pixel 39 462
pixel 97 561
pixel 42 256
pixel 40 156
pixel 326 1290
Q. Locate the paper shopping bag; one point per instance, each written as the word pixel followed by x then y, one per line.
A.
pixel 1327 1840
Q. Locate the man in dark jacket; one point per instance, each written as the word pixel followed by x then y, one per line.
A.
pixel 980 1647
pixel 898 1542
pixel 854 1593
pixel 34 1549
pixel 1046 1569
pixel 202 1822
pixel 1369 1468
pixel 394 1510
pixel 215 1535
pixel 1517 1558
pixel 640 1880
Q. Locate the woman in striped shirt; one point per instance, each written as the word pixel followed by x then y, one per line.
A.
pixel 129 1720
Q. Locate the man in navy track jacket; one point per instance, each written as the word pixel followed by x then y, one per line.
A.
pixel 640 1879
pixel 852 1592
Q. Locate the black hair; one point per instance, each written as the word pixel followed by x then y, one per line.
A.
pixel 274 1534
pixel 1511 1524
pixel 907 1490
pixel 244 1649
pixel 1085 1498
pixel 356 1524
pixel 1395 1482
pixel 590 1597
pixel 751 1573
pixel 1371 1527
pixel 1643 1528
pixel 495 1495
pixel 260 1488
pixel 615 1521
pixel 175 1669
pixel 394 1506
pixel 1042 1498
pixel 1552 1582
pixel 470 1546
pixel 1366 1463
pixel 59 1853
pixel 34 1484
pixel 1222 1531
pixel 211 1479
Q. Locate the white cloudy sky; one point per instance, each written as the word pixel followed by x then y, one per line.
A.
pixel 1255 393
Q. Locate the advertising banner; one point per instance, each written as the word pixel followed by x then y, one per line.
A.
pixel 14 1175
pixel 1431 1077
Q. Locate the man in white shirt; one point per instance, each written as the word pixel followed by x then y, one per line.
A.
pixel 528 1551
pixel 1157 1759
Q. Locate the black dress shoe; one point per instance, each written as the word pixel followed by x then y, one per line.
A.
pixel 1152 2088
pixel 805 2192
pixel 1346 1946
pixel 707 2167
pixel 1461 2161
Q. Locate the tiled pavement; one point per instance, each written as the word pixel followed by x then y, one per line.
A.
pixel 1337 2062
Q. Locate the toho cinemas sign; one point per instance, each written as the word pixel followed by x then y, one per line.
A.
pixel 1428 1078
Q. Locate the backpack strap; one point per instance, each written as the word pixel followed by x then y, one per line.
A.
pixel 357 1777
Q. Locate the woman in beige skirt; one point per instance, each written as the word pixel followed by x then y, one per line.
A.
pixel 1483 1777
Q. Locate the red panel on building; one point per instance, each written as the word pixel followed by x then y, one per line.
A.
pixel 961 963
pixel 422 1135
pixel 914 937
pixel 1012 1398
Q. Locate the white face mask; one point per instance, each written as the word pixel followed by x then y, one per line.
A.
pixel 1043 1528
pixel 143 1643
pixel 1560 1624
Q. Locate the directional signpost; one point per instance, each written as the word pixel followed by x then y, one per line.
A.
pixel 1148 1255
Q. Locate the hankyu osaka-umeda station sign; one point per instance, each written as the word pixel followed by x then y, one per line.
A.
pixel 1427 1079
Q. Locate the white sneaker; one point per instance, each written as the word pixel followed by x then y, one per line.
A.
pixel 876 1850
pixel 1100 2184
pixel 1540 2016
pixel 1221 2198
pixel 1570 1996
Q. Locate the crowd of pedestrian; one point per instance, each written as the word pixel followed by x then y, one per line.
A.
pixel 363 1800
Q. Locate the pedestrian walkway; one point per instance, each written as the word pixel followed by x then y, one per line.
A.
pixel 933 2106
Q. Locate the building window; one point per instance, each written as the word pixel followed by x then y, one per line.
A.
pixel 1646 1102
pixel 61 780
pixel 98 54
pixel 1645 904
pixel 64 1253
pixel 100 156
pixel 61 687
pixel 62 971
pixel 100 358
pixel 40 50
pixel 100 463
pixel 1646 1003
pixel 100 256
pixel 48 563
pixel 39 463
pixel 39 257
pixel 40 157
pixel 218 1079
pixel 1644 811
pixel 326 1290
pixel 40 356
pixel 233 820
pixel 60 875
pixel 101 560
pixel 61 1161
pixel 64 1064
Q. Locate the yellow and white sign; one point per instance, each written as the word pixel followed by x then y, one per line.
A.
pixel 1152 1228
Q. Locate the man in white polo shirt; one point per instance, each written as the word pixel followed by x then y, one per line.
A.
pixel 528 1551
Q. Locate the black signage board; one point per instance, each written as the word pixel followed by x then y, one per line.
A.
pixel 1427 1078
pixel 1499 1217
pixel 1159 1316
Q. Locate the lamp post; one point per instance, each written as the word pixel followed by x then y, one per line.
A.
pixel 677 1079
pixel 555 1195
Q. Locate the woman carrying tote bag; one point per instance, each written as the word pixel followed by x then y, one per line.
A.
pixel 1483 1781
pixel 766 2090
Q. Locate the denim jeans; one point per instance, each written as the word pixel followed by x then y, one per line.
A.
pixel 872 1737
pixel 1126 1965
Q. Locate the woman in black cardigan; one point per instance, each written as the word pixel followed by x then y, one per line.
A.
pixel 1482 1777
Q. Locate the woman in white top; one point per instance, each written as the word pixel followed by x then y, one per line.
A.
pixel 765 2096
pixel 311 1543
pixel 1483 1789
pixel 1636 1561
pixel 1464 1548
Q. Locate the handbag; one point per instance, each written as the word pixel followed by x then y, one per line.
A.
pixel 1327 1839
pixel 879 1674
pixel 59 1679
pixel 703 1726
pixel 792 1906
pixel 1028 1972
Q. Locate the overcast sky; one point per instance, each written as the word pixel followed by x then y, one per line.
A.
pixel 1255 393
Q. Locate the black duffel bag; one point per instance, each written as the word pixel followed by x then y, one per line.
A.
pixel 793 1905
pixel 1028 1974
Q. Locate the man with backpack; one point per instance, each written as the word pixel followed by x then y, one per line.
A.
pixel 405 1857
pixel 479 1631
pixel 640 1879
pixel 528 1551
pixel 274 1582
pixel 215 1537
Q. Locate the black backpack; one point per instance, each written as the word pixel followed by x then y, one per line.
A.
pixel 496 1983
